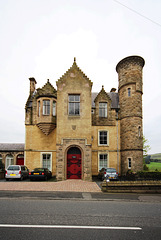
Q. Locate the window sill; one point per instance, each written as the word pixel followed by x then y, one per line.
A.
pixel 103 145
pixel 73 116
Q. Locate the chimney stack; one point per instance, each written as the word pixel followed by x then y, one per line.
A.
pixel 32 85
pixel 113 90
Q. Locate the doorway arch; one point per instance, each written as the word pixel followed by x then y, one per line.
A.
pixel 74 163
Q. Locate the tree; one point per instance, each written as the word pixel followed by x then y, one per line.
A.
pixel 146 147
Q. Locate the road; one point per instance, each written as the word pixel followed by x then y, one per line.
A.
pixel 29 218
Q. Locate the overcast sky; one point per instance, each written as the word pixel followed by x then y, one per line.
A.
pixel 40 38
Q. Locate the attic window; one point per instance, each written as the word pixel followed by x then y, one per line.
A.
pixel 102 109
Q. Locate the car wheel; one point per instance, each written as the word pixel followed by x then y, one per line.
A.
pixel 46 178
pixel 7 179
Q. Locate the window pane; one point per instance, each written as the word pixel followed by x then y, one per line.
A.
pixel 71 98
pixel 74 104
pixel 77 98
pixel 46 107
pixel 76 108
pixel 129 92
pixel 46 161
pixel 54 108
pixel 71 108
pixel 103 137
pixel 102 109
pixel 102 161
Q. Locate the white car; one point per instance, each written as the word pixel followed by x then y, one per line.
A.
pixel 16 172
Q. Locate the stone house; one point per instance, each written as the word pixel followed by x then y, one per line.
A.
pixel 11 153
pixel 75 132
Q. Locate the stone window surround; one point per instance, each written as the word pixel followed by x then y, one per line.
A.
pixel 40 109
pixel 100 153
pixel 102 130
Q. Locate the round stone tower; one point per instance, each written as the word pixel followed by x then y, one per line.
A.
pixel 130 99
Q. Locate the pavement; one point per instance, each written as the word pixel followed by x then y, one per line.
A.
pixel 67 185
pixel 68 190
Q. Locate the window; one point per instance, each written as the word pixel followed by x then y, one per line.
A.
pixel 74 104
pixel 139 132
pixel 46 107
pixel 9 160
pixel 102 161
pixel 38 108
pixel 54 108
pixel 129 163
pixel 1 165
pixel 102 137
pixel 102 109
pixel 129 92
pixel 46 161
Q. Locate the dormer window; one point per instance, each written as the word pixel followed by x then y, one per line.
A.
pixel 46 107
pixel 102 109
pixel 74 104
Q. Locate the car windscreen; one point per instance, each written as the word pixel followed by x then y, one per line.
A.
pixel 110 170
pixel 39 169
pixel 13 168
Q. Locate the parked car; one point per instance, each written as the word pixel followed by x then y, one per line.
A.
pixel 16 172
pixel 108 174
pixel 40 174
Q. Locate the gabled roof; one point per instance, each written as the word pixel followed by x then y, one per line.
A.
pixel 47 90
pixel 72 69
pixel 113 96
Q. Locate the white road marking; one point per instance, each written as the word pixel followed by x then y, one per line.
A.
pixel 68 226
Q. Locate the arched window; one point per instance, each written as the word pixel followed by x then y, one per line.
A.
pixel 74 150
pixel 129 92
pixel 9 160
pixel 139 131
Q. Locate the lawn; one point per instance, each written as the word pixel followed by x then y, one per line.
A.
pixel 153 166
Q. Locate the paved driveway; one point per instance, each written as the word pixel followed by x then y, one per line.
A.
pixel 67 185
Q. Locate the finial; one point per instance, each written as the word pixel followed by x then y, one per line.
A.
pixel 74 59
pixel 102 86
pixel 47 80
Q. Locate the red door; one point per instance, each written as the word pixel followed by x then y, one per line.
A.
pixel 20 160
pixel 74 164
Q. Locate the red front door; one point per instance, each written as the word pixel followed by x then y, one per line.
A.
pixel 74 164
pixel 20 160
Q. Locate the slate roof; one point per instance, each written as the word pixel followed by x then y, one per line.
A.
pixel 19 147
pixel 114 97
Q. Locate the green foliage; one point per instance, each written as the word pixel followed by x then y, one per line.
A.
pixel 148 175
pixel 146 147
pixel 145 167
